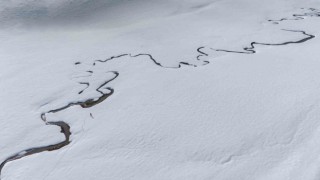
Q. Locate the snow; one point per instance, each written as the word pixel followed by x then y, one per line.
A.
pixel 242 116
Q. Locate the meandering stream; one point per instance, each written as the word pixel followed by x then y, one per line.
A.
pixel 65 128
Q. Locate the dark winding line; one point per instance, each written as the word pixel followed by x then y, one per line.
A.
pixel 251 49
pixel 65 128
pixel 314 13
pixel 87 86
pixel 155 61
pixel 113 57
pixel 201 53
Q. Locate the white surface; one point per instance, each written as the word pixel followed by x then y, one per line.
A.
pixel 239 117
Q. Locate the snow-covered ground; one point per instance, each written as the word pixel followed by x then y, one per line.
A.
pixel 195 89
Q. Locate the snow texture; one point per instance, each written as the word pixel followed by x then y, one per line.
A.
pixel 160 90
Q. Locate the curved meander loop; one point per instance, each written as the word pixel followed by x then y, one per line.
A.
pixel 199 50
pixel 65 128
pixel 313 13
pixel 251 49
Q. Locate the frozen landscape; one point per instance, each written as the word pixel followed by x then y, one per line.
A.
pixel 160 89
